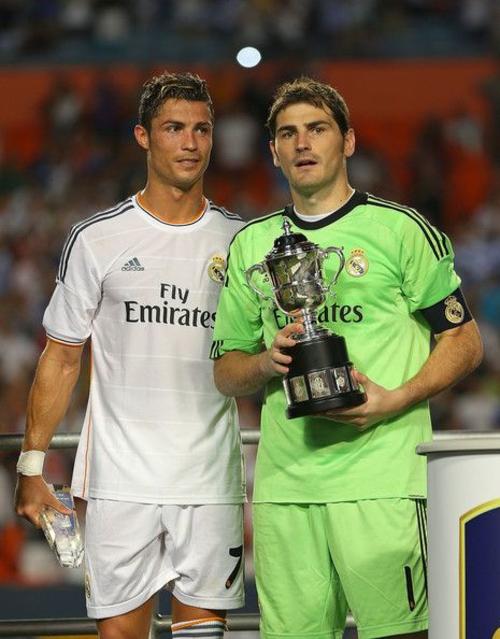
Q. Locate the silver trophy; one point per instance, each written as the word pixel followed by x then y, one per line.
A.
pixel 63 531
pixel 319 377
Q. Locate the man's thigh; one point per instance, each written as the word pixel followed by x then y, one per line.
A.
pixel 126 560
pixel 379 550
pixel 299 591
pixel 205 547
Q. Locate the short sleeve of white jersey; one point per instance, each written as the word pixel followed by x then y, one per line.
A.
pixel 75 300
pixel 427 266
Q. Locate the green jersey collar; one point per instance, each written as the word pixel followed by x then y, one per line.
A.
pixel 357 199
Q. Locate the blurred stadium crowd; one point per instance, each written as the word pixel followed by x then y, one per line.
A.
pixel 139 29
pixel 88 161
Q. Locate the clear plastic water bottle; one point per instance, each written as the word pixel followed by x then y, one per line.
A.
pixel 63 531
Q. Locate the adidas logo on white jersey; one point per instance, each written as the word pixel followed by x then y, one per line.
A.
pixel 133 265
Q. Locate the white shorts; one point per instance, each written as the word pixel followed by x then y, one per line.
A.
pixel 133 550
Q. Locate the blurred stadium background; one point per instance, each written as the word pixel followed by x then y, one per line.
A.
pixel 422 78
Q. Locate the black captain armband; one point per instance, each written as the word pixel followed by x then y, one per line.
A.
pixel 448 313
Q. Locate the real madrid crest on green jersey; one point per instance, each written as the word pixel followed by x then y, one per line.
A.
pixel 357 263
pixel 217 268
pixel 454 311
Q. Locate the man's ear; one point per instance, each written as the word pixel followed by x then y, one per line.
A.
pixel 142 136
pixel 276 160
pixel 349 143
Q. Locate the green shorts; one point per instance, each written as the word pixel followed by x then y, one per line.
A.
pixel 313 562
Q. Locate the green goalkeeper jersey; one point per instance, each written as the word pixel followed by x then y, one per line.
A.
pixel 395 264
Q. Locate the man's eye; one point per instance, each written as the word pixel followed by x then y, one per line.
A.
pixel 173 128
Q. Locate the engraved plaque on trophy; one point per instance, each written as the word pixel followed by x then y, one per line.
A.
pixel 319 377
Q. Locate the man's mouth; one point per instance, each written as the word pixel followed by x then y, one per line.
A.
pixel 305 162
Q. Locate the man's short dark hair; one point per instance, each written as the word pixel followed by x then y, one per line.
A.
pixel 313 92
pixel 176 86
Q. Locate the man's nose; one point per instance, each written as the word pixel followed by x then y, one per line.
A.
pixel 189 140
pixel 303 141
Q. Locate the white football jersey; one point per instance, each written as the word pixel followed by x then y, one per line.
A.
pixel 156 429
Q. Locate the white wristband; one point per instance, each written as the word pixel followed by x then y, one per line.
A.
pixel 30 462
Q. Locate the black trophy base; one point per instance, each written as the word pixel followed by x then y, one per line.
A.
pixel 320 378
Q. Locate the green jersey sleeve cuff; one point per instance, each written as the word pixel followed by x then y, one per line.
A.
pixel 221 346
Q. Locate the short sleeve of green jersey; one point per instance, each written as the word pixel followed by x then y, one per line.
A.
pixel 428 274
pixel 238 324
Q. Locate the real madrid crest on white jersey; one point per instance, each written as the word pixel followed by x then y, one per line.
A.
pixel 357 263
pixel 217 268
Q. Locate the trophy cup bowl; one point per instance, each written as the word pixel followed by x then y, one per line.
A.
pixel 320 374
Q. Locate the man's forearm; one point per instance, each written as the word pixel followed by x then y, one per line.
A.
pixel 50 395
pixel 237 373
pixel 457 353
pixel 55 379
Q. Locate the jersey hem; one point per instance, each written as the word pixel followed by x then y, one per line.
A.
pixel 148 499
pixel 329 500
pixel 264 634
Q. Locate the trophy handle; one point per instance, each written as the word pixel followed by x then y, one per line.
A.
pixel 257 268
pixel 340 254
